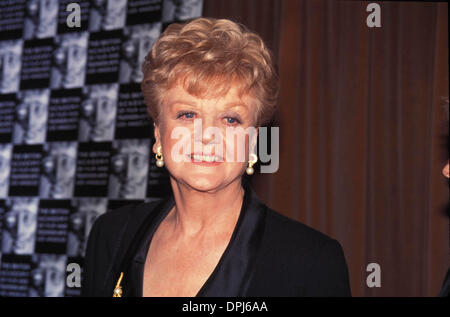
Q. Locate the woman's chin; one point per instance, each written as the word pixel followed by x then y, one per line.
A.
pixel 203 183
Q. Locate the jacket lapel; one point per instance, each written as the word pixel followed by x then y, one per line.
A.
pixel 139 219
pixel 234 271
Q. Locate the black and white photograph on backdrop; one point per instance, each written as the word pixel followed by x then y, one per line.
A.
pixel 69 60
pixel 107 15
pixel 98 113
pixel 181 10
pixel 20 225
pixel 10 65
pixel 58 170
pixel 41 19
pixel 47 275
pixel 129 169
pixel 30 124
pixel 138 40
pixel 84 213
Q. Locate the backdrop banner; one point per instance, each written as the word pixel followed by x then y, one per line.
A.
pixel 75 137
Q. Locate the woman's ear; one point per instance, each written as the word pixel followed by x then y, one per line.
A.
pixel 157 135
pixel 254 141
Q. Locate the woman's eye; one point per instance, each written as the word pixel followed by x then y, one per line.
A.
pixel 186 115
pixel 231 120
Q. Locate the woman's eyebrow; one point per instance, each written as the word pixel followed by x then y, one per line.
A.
pixel 183 102
pixel 227 106
pixel 235 104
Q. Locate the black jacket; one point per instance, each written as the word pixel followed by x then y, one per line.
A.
pixel 268 254
pixel 445 291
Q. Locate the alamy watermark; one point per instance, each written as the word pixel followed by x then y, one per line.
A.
pixel 74 277
pixel 374 18
pixel 74 18
pixel 374 278
pixel 230 147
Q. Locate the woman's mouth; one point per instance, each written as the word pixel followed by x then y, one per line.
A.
pixel 205 160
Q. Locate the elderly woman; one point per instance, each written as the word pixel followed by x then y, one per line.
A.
pixel 212 236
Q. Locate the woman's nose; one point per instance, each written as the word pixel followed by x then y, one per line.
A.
pixel 207 130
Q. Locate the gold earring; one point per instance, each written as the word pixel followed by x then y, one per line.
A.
pixel 251 162
pixel 159 157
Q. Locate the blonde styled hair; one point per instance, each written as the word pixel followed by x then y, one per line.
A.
pixel 207 56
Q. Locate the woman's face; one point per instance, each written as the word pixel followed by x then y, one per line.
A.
pixel 217 115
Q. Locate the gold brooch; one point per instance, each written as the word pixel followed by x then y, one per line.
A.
pixel 118 289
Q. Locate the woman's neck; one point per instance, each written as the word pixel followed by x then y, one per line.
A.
pixel 199 213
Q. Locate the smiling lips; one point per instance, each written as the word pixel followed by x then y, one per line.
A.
pixel 204 159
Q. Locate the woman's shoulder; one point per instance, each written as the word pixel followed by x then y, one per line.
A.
pixel 297 241
pixel 299 234
pixel 298 260
pixel 114 220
